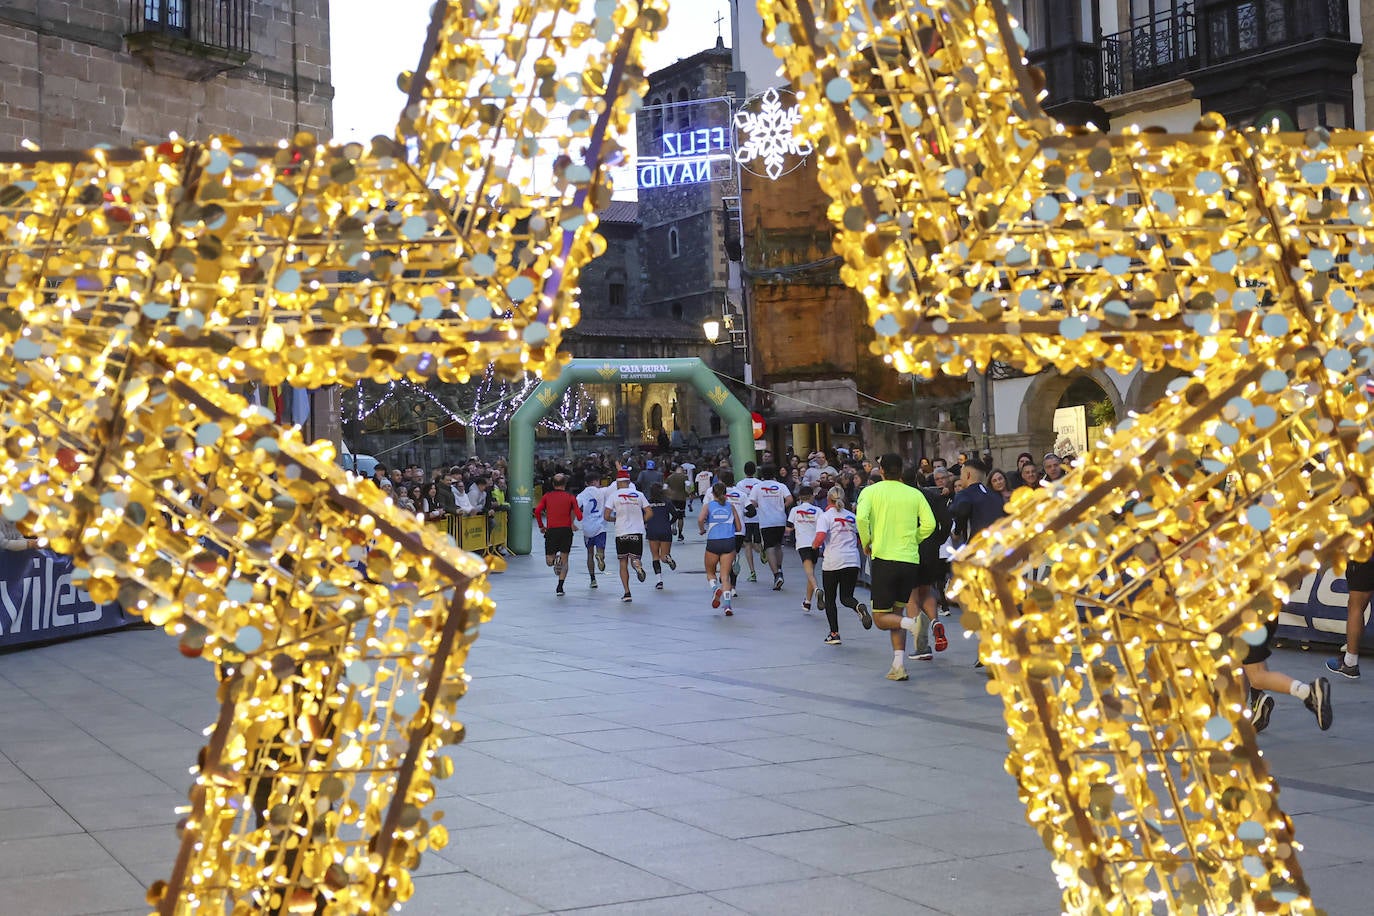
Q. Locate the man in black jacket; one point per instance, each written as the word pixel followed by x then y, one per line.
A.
pixel 975 507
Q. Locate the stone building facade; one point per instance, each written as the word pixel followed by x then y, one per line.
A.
pixel 80 72
pixel 665 268
pixel 682 227
pixel 77 73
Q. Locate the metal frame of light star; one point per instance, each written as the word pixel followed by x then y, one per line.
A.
pixel 979 230
pixel 145 290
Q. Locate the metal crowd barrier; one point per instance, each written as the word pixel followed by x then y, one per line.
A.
pixel 478 534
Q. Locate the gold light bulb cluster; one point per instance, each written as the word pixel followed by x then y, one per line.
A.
pixel 1115 607
pixel 146 292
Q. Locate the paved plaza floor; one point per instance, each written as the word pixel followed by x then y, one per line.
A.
pixel 645 758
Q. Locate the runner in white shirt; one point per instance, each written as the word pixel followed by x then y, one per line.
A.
pixel 689 469
pixel 628 509
pixel 837 532
pixel 770 499
pixel 592 502
pixel 753 539
pixel 704 479
pixel 802 520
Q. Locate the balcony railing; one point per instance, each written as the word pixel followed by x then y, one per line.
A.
pixel 1150 52
pixel 1164 47
pixel 1073 73
pixel 220 25
pixel 1233 28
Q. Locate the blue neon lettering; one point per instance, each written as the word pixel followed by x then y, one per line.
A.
pixel 700 142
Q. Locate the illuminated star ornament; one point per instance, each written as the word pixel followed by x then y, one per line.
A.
pixel 770 134
pixel 147 290
pixel 1235 264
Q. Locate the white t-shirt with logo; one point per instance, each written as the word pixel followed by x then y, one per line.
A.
pixel 592 502
pixel 841 532
pixel 628 504
pixel 803 518
pixel 736 497
pixel 704 479
pixel 746 486
pixel 770 497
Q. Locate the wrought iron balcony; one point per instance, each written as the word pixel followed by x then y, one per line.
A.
pixel 1073 72
pixel 218 28
pixel 1235 28
pixel 1152 51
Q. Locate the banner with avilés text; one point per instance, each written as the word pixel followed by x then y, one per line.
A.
pixel 38 601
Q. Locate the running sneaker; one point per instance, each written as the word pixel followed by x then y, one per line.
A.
pixel 558 566
pixel 639 570
pixel 862 610
pixel 820 600
pixel 593 581
pixel 897 673
pixel 679 535
pixel 601 562
pixel 937 629
pixel 659 585
pixel 1319 701
pixel 1260 710
pixel 626 598
pixel 753 576
pixel 777 583
pixel 833 639
pixel 672 564
pixel 922 656
pixel 1339 666
pixel 559 591
pixel 717 597
pixel 729 611
pixel 806 605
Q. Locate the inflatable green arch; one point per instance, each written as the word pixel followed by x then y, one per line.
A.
pixel 611 372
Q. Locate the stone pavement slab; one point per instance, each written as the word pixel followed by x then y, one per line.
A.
pixel 651 758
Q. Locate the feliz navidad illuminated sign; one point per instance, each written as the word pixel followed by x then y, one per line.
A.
pixel 688 157
pixel 768 133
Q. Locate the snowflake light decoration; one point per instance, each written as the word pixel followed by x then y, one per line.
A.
pixel 770 135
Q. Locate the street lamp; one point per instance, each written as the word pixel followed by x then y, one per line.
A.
pixel 732 323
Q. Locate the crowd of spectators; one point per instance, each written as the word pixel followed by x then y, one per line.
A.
pixel 474 488
pixel 478 487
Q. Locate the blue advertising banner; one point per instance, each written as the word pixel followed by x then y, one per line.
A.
pixel 1315 612
pixel 38 602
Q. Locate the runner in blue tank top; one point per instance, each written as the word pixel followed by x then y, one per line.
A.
pixel 720 522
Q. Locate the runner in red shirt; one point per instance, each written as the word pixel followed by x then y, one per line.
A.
pixel 554 515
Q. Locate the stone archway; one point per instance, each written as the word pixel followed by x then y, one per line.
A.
pixel 1041 400
pixel 611 371
pixel 1147 388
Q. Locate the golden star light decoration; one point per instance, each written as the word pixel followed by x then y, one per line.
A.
pixel 146 291
pixel 1114 608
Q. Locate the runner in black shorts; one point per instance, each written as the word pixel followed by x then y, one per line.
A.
pixel 893 519
pixel 555 514
pixel 752 538
pixel 719 521
pixel 1316 696
pixel 802 521
pixel 893 581
pixel 1359 578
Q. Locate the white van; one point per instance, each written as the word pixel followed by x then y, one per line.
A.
pixel 362 465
